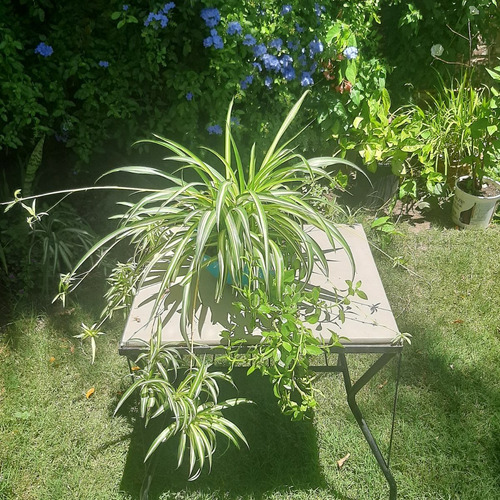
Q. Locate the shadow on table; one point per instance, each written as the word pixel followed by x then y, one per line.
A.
pixel 283 455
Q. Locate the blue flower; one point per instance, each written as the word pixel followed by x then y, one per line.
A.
pixel 125 7
pixel 168 6
pixel 299 28
pixel 286 60
pixel 351 53
pixel 103 64
pixel 276 44
pixel 234 28
pixel 271 63
pixel 156 16
pixel 214 130
pixel 214 40
pixel 257 66
pixel 306 79
pixel 44 50
pixel 218 42
pixel 249 40
pixel 246 82
pixel 259 50
pixel 293 45
pixel 286 9
pixel 235 121
pixel 268 82
pixel 315 47
pixel 288 73
pixel 189 96
pixel 302 60
pixel 319 9
pixel 286 67
pixel 211 16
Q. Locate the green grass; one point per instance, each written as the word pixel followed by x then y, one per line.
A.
pixel 56 443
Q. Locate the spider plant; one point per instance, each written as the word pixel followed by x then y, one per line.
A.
pixel 189 404
pixel 245 212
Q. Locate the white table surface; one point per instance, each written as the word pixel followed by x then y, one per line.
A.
pixel 368 322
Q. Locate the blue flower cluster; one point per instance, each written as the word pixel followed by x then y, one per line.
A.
pixel 277 57
pixel 189 96
pixel 234 28
pixel 306 79
pixel 103 64
pixel 211 16
pixel 44 50
pixel 351 53
pixel 249 40
pixel 214 130
pixel 159 18
pixel 213 40
pixel 319 9
pixel 246 82
pixel 315 47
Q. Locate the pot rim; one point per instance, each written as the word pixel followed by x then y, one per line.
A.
pixel 493 181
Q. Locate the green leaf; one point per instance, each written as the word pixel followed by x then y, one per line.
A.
pixel 314 350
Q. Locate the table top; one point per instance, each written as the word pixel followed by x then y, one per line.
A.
pixel 368 323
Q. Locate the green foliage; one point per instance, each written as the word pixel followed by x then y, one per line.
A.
pixel 191 402
pixel 115 73
pixel 90 332
pixel 288 342
pixel 36 249
pixel 410 29
pixel 252 212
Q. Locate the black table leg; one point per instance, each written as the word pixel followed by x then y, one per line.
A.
pixel 352 390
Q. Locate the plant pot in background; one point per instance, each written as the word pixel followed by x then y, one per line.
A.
pixel 471 211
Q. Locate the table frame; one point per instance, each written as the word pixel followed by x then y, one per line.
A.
pixel 386 352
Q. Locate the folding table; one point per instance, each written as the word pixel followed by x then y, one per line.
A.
pixel 369 325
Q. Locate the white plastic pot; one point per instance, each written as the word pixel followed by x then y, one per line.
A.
pixel 470 211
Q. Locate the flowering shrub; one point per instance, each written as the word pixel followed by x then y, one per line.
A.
pixel 87 72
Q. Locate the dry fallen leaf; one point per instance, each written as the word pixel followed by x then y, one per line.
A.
pixel 52 359
pixel 458 321
pixel 89 392
pixel 72 349
pixel 135 368
pixel 382 385
pixel 341 462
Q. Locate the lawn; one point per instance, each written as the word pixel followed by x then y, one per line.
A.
pixel 58 443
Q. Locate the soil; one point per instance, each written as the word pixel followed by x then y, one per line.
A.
pixel 489 189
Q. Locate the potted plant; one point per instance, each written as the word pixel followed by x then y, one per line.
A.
pixel 248 218
pixel 476 194
pixel 459 141
pixel 248 214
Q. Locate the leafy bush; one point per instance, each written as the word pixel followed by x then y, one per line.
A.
pixel 87 72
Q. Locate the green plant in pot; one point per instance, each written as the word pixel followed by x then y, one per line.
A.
pixel 251 212
pixel 476 194
pixel 249 218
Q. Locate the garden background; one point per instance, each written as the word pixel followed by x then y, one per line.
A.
pixel 81 81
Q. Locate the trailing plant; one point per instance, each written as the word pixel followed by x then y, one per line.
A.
pixel 287 341
pixel 249 218
pixel 187 396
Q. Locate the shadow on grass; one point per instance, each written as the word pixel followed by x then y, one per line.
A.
pixel 283 455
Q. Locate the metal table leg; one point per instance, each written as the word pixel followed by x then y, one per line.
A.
pixel 352 390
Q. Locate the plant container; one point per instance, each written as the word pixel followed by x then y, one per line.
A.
pixel 472 211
